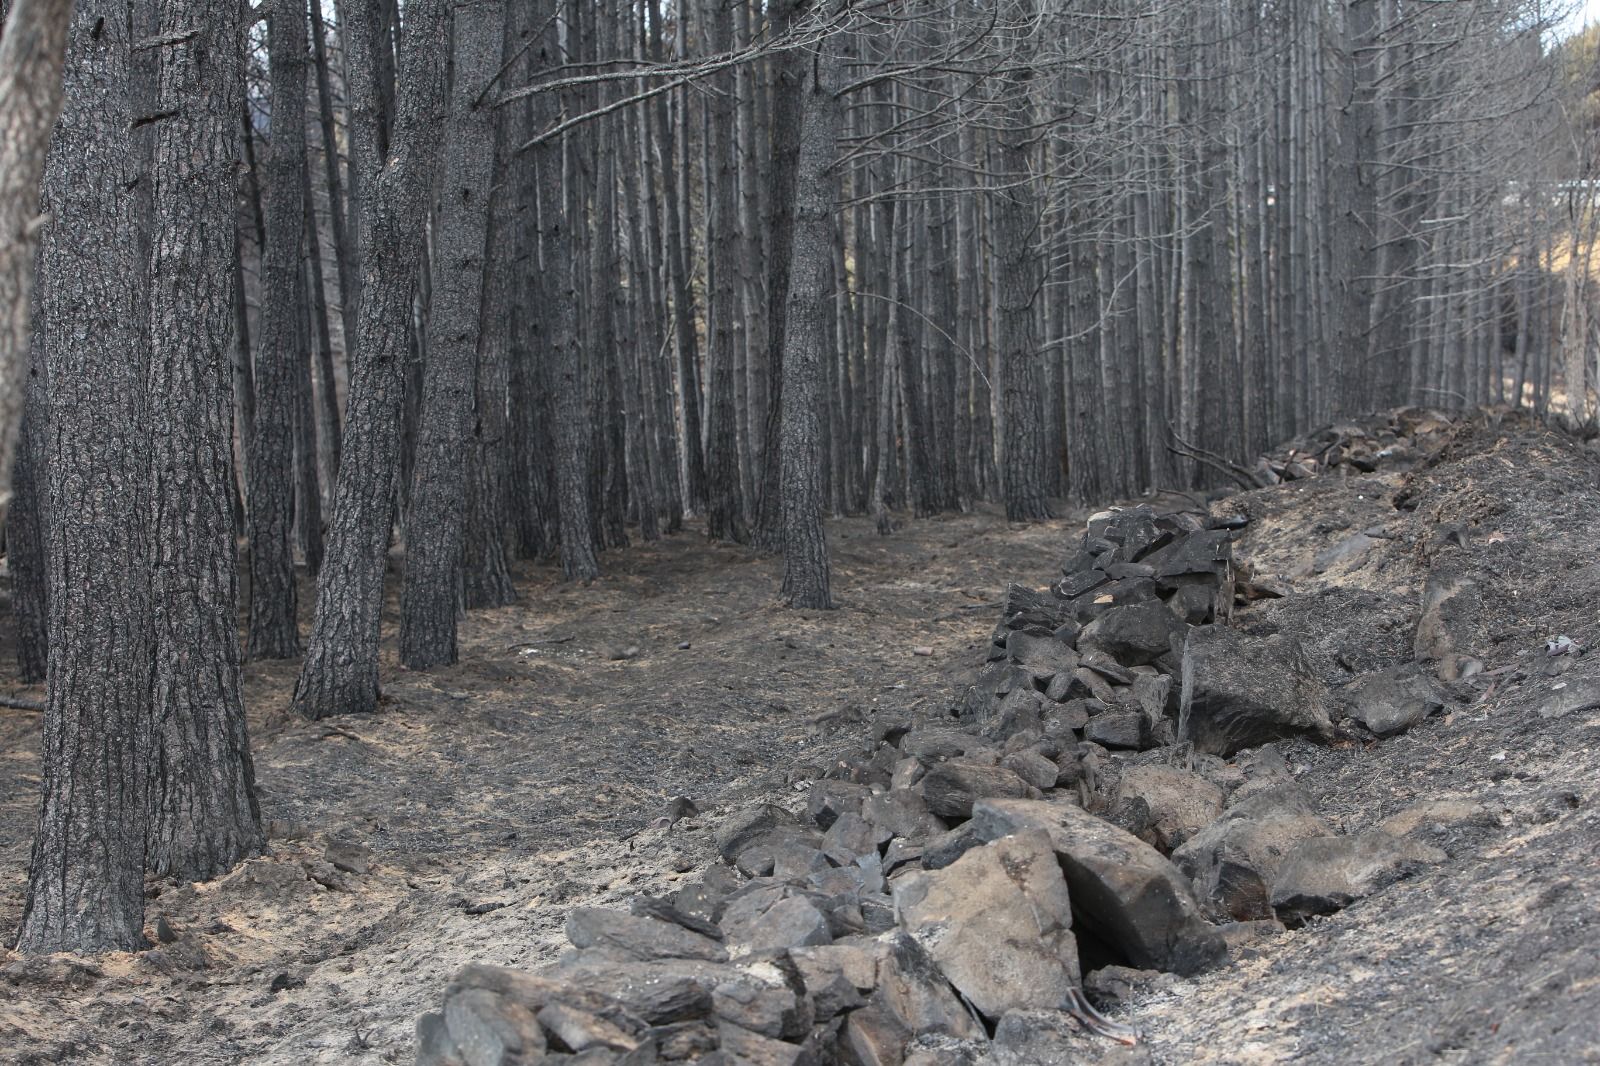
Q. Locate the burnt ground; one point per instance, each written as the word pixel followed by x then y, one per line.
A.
pixel 498 794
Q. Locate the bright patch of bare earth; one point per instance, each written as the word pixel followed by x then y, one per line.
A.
pixel 498 794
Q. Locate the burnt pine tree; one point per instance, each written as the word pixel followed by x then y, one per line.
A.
pixel 805 340
pixel 1016 223
pixel 340 672
pixel 86 875
pixel 431 595
pixel 205 816
pixel 280 351
pixel 30 99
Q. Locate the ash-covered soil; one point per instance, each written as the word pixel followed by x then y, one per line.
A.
pixel 498 794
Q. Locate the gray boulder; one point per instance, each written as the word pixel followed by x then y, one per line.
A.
pixel 1392 701
pixel 1241 692
pixel 1132 897
pixel 998 921
pixel 1234 860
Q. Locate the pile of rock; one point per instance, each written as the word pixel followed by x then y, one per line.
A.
pixel 1391 440
pixel 951 892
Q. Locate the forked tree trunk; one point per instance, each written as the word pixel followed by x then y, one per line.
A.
pixel 435 529
pixel 86 876
pixel 340 673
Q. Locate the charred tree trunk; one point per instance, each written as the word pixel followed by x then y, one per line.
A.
pixel 805 343
pixel 205 815
pixel 435 529
pixel 280 352
pixel 340 673
pixel 86 874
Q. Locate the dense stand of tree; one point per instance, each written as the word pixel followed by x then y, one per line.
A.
pixel 486 280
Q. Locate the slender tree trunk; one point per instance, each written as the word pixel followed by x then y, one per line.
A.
pixel 1016 221
pixel 280 352
pixel 86 874
pixel 805 343
pixel 340 673
pixel 435 530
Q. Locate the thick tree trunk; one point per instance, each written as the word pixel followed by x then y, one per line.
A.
pixel 30 98
pixel 805 343
pixel 86 876
pixel 435 529
pixel 206 818
pixel 340 673
pixel 280 350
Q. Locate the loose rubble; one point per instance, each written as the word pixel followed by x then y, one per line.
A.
pixel 948 895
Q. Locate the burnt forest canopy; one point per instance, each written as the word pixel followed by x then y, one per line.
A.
pixel 799 532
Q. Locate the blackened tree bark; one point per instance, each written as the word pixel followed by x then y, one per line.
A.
pixel 789 72
pixel 280 349
pixel 86 876
pixel 340 674
pixel 431 595
pixel 1016 221
pixel 30 98
pixel 205 815
pixel 725 500
pixel 26 522
pixel 805 548
pixel 562 366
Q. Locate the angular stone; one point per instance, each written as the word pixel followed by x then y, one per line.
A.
pixel 829 990
pixel 1046 656
pixel 1392 701
pixel 705 898
pixel 665 911
pixel 1328 874
pixel 434 1046
pixel 1180 803
pixel 1125 730
pixel 945 849
pixel 1098 687
pixel 904 813
pixel 1242 692
pixel 1153 693
pixel 934 745
pixel 1032 767
pixel 659 993
pixel 827 800
pixel 1135 634
pixel 853 835
pixel 628 936
pixel 684 1041
pixel 1234 860
pixel 874 1036
pixel 769 1009
pixel 857 960
pixel 1018 711
pixel 998 922
pixel 348 856
pixel 1030 611
pixel 911 986
pixel 490 1030
pixel 579 1030
pixel 752 1049
pixel 746 827
pixel 791 922
pixel 1107 667
pixel 1206 552
pixel 1131 897
pixel 950 788
pixel 1085 581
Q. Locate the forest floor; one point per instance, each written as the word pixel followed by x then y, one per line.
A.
pixel 496 795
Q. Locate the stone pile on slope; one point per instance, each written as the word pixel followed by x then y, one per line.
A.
pixel 1102 805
